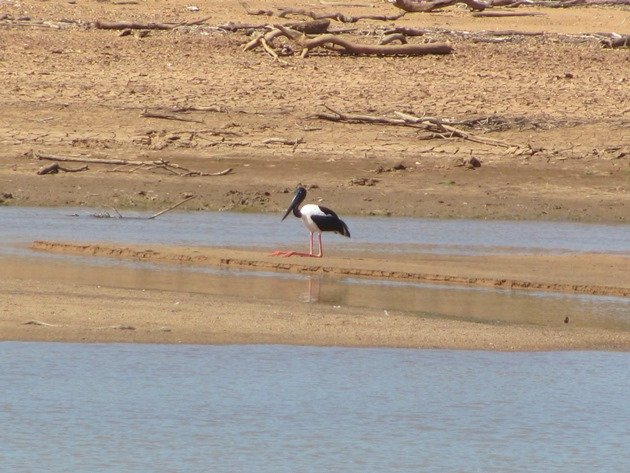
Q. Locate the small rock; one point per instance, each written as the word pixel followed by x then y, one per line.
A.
pixel 473 162
pixel 7 195
pixel 125 32
pixel 469 163
pixel 363 181
pixel 399 167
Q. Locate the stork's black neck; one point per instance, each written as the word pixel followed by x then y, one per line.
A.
pixel 300 195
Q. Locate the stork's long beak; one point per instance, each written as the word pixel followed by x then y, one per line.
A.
pixel 294 203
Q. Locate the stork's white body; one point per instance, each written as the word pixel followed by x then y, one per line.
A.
pixel 307 212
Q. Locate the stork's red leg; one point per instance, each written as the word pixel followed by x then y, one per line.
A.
pixel 286 254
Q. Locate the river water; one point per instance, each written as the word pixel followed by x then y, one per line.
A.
pixel 127 408
pixel 23 225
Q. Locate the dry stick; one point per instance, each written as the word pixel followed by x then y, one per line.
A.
pixel 497 14
pixel 165 116
pixel 270 50
pixel 200 173
pixel 173 207
pixel 52 157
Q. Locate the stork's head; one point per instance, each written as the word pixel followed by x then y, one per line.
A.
pixel 300 195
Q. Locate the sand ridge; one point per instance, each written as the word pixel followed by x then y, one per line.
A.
pixel 578 273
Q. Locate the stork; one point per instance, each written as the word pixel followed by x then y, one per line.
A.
pixel 317 219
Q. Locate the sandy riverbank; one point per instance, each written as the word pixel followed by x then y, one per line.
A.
pixel 51 301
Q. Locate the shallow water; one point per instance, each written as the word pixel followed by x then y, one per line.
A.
pixel 433 300
pixel 20 226
pixel 77 407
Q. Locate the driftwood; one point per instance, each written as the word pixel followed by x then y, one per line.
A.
pixel 55 168
pixel 148 165
pixel 127 25
pixel 335 43
pixel 436 126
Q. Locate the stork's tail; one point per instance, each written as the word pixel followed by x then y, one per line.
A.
pixel 344 229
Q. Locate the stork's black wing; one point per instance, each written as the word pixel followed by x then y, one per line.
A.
pixel 330 222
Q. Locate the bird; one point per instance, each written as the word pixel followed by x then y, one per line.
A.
pixel 317 219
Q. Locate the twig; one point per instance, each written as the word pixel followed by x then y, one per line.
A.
pixel 165 116
pixel 172 207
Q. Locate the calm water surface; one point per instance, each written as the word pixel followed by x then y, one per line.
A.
pixel 73 407
pixel 20 225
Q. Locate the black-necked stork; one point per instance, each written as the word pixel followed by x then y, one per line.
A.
pixel 317 219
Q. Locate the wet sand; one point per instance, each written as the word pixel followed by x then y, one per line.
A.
pixel 41 301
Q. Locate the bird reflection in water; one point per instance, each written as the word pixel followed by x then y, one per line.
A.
pixel 311 295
